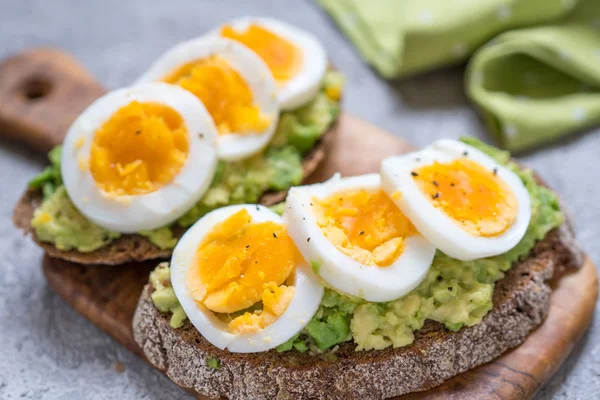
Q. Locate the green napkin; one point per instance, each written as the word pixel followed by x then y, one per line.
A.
pixel 534 85
pixel 402 37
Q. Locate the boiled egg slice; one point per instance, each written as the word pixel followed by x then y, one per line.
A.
pixel 241 280
pixel 296 58
pixel 235 86
pixel 459 198
pixel 356 239
pixel 139 158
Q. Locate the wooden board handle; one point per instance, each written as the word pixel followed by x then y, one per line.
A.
pixel 42 91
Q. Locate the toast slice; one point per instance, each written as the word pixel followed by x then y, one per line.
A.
pixel 521 302
pixel 130 248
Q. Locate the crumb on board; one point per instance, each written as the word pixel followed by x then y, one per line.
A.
pixel 119 367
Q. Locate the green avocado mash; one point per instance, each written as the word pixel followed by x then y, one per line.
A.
pixel 455 293
pixel 163 295
pixel 59 222
pixel 279 167
pixel 212 362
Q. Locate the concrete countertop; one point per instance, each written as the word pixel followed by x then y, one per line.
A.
pixel 48 351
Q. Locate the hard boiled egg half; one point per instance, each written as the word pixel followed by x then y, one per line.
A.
pixel 139 158
pixel 295 57
pixel 356 238
pixel 235 86
pixel 241 280
pixel 459 198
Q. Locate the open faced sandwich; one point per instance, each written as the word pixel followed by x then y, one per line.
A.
pixel 236 116
pixel 366 287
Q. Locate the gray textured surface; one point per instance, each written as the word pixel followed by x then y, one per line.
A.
pixel 48 351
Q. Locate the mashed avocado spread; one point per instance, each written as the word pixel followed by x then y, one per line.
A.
pixel 454 293
pixel 280 166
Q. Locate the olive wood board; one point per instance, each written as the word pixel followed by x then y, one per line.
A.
pixel 43 90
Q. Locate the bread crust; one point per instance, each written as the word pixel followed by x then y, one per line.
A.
pixel 129 248
pixel 521 302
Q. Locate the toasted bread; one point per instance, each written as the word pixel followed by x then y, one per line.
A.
pixel 521 302
pixel 130 248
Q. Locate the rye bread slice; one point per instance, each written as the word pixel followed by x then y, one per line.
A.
pixel 130 248
pixel 521 302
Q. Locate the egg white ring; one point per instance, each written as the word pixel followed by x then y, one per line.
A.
pixel 434 223
pixel 342 271
pixel 305 85
pixel 251 68
pixel 129 214
pixel 304 304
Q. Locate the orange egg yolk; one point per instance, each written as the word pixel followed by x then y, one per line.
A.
pixel 275 300
pixel 366 225
pixel 139 149
pixel 474 197
pixel 240 263
pixel 282 57
pixel 225 94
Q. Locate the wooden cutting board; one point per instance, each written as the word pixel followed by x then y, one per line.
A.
pixel 43 90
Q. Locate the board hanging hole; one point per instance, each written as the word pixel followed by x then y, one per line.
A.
pixel 36 88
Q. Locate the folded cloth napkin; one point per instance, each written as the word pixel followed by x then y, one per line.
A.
pixel 532 84
pixel 403 37
pixel 536 84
